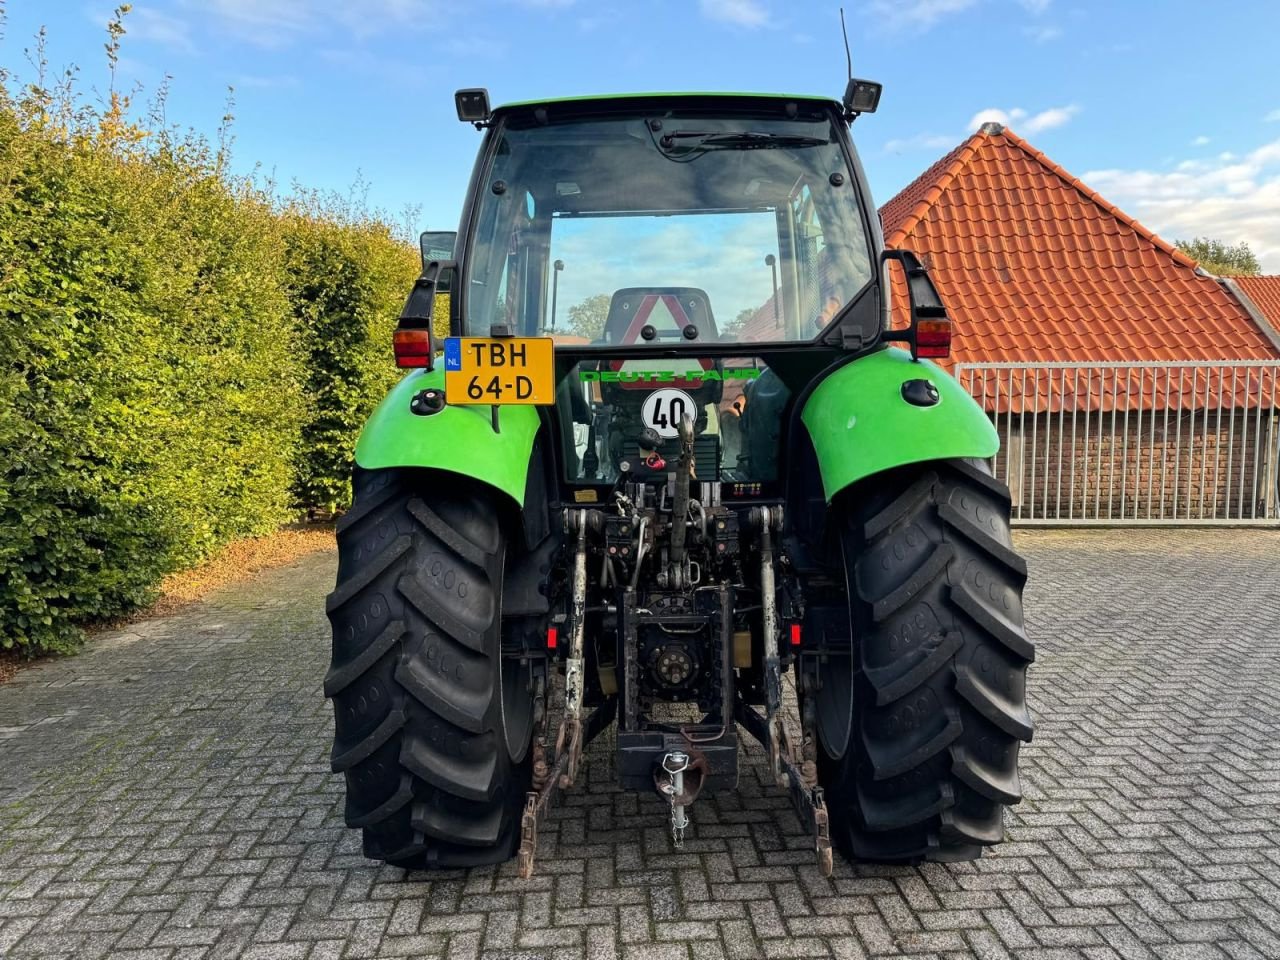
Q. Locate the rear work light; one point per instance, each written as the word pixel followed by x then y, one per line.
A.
pixel 413 347
pixel 933 339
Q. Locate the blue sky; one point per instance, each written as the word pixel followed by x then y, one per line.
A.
pixel 1168 108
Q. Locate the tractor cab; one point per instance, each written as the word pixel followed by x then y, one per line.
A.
pixel 674 248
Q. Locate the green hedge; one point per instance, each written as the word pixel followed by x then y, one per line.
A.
pixel 347 282
pixel 183 361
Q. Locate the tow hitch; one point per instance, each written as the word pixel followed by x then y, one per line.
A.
pixel 679 778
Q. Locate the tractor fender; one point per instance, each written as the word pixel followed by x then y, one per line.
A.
pixel 458 438
pixel 861 424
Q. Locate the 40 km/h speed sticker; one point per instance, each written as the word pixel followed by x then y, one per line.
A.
pixel 664 409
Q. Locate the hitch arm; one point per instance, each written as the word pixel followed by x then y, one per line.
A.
pixel 548 781
pixel 767 518
pixel 680 502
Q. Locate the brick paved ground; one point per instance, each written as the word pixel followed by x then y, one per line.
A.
pixel 167 794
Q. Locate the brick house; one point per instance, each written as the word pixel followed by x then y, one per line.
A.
pixel 1135 417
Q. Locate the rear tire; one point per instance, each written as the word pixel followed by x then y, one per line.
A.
pixel 937 691
pixel 433 744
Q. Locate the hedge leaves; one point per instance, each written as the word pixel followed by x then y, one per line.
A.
pixel 183 360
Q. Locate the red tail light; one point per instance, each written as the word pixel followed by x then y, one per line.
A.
pixel 553 638
pixel 412 347
pixel 796 638
pixel 933 338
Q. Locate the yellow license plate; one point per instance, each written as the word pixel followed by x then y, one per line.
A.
pixel 499 370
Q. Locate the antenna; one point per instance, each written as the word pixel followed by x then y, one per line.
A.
pixel 848 57
pixel 860 96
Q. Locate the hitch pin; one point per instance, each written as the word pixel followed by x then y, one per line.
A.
pixel 675 763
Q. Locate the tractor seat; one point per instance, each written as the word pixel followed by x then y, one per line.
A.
pixel 667 309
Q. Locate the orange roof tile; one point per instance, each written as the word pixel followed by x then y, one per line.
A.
pixel 1033 265
pixel 1264 292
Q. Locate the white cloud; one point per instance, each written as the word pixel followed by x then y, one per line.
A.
pixel 1023 122
pixel 921 141
pixel 598 19
pixel 1236 199
pixel 921 14
pixel 405 74
pixel 474 47
pixel 145 23
pixel 1272 117
pixel 742 13
pixel 995 115
pixel 259 20
pixel 1200 141
pixel 1043 34
pixel 277 23
pixel 252 81
pixel 1051 118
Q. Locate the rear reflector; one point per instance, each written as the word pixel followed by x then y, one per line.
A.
pixel 795 635
pixel 412 347
pixel 933 338
pixel 553 637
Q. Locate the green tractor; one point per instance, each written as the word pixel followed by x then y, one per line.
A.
pixel 668 476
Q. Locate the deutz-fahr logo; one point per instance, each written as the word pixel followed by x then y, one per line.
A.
pixel 668 376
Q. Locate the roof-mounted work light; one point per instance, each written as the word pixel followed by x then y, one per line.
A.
pixel 473 105
pixel 861 96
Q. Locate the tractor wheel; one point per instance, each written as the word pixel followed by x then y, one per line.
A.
pixel 432 727
pixel 919 726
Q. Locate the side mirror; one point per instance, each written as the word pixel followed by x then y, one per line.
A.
pixel 436 245
pixel 929 333
pixel 413 339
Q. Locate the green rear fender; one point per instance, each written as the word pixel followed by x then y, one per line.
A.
pixel 459 439
pixel 860 424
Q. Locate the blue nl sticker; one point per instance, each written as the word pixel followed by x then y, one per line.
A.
pixel 452 353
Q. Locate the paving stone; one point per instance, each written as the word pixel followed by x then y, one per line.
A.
pixel 167 795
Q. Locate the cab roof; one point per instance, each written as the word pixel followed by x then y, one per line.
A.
pixel 607 98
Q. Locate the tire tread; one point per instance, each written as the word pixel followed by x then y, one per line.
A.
pixel 417 703
pixel 940 656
